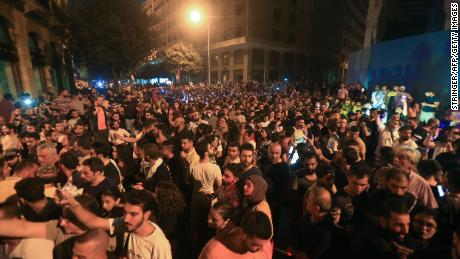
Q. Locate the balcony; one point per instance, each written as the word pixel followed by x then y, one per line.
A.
pixel 36 9
pixel 8 51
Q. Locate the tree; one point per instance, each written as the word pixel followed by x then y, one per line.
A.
pixel 110 37
pixel 182 57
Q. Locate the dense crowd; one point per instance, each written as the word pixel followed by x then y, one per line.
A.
pixel 235 170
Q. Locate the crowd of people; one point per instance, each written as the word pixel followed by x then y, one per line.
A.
pixel 235 170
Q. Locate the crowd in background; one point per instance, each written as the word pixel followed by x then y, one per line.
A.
pixel 234 170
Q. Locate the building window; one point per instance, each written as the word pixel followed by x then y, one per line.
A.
pixel 239 9
pixel 292 19
pixel 276 35
pixel 288 59
pixel 258 56
pixel 277 14
pixel 291 38
pixel 55 69
pixel 214 60
pixel 274 58
pixel 302 60
pixel 38 63
pixel 238 75
pixel 225 58
pixel 238 56
pixel 9 73
pixel 214 76
pixel 238 32
pixel 4 33
pixel 225 76
pixel 273 75
pixel 257 75
pixel 225 35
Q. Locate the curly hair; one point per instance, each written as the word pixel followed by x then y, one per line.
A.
pixel 169 199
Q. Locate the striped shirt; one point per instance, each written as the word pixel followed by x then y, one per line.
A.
pixel 62 103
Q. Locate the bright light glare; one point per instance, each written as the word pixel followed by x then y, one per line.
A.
pixel 28 101
pixel 195 16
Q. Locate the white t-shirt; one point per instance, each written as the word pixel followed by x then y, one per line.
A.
pixel 33 248
pixel 119 132
pixel 204 177
pixel 154 246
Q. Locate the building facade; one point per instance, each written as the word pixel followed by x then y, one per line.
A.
pixel 267 40
pixel 32 56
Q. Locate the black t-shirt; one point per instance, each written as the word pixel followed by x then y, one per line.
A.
pixel 178 170
pixel 419 134
pixel 449 212
pixel 49 212
pixel 322 240
pixel 111 171
pixel 277 177
pixel 96 191
pixel 130 109
pixel 352 208
pixel 376 243
pixel 161 175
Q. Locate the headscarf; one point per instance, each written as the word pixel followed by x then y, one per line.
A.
pixel 260 189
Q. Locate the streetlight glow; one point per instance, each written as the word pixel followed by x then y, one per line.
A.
pixel 195 16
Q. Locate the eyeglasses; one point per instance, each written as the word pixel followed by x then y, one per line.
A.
pixel 427 224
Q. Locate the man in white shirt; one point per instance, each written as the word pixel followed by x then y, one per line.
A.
pixel 206 178
pixel 141 237
pixel 405 134
pixel 115 132
pixel 9 139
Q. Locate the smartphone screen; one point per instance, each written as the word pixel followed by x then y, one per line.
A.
pixel 441 191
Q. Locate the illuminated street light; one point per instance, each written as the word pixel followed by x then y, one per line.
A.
pixel 196 16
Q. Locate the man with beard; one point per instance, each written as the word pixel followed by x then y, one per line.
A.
pixel 277 176
pixel 195 120
pixel 306 178
pixel 248 162
pixel 32 139
pixel 405 134
pixel 389 238
pixel 98 123
pixel 96 182
pixel 351 200
pixel 249 240
pixel 396 187
pixel 141 237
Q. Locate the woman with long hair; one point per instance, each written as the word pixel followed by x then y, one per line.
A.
pixel 169 213
pixel 221 216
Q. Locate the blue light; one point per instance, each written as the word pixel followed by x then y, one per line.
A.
pixel 27 102
pixel 285 79
pixel 99 84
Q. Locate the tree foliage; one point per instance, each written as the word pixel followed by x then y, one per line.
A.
pixel 182 57
pixel 110 37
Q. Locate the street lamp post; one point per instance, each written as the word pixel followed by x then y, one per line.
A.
pixel 196 17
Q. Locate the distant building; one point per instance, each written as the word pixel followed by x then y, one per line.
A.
pixel 394 19
pixel 268 40
pixel 31 49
